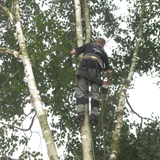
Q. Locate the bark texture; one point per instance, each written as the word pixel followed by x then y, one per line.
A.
pixel 85 130
pixel 35 98
pixel 118 127
pixel 78 24
pixel 87 22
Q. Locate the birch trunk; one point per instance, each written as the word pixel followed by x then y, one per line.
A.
pixel 85 130
pixel 35 98
pixel 87 22
pixel 117 131
pixel 78 24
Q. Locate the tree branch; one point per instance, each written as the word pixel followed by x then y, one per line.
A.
pixel 118 127
pixel 6 12
pixel 10 77
pixel 139 127
pixel 136 112
pixel 21 128
pixel 8 50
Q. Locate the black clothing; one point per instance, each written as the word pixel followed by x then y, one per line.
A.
pixel 96 50
pixel 90 71
pixel 92 62
pixel 92 74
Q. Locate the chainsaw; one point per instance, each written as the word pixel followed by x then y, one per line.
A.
pixel 105 87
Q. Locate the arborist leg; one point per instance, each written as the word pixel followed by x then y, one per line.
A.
pixel 94 103
pixel 81 86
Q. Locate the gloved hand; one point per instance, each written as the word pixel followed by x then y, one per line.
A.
pixel 106 82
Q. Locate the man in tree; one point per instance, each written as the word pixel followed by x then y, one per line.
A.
pixel 94 60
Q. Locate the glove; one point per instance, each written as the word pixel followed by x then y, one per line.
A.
pixel 106 82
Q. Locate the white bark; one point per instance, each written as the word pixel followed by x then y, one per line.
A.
pixel 87 22
pixel 86 137
pixel 117 131
pixel 35 98
pixel 78 24
pixel 85 130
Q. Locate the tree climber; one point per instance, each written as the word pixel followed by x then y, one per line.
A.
pixel 93 61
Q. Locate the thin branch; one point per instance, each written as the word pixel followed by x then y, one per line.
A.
pixel 40 144
pixel 8 50
pixel 6 12
pixel 21 128
pixel 136 112
pixel 10 78
pixel 139 127
pixel 132 108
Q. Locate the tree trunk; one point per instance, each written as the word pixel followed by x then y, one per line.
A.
pixel 78 24
pixel 117 131
pixel 87 22
pixel 85 130
pixel 35 98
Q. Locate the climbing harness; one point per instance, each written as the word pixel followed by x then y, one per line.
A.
pixel 92 57
pixel 104 92
pixel 95 58
pixel 87 70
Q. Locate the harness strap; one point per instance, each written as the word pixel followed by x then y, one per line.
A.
pixel 92 57
pixel 95 58
pixel 82 100
pixel 94 103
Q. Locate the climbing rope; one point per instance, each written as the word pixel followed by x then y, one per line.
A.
pixel 92 142
pixel 102 98
pixel 87 92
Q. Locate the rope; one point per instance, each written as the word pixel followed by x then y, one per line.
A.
pixel 91 136
pixel 91 132
pixel 103 125
pixel 92 142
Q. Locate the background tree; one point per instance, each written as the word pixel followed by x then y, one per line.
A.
pixel 14 17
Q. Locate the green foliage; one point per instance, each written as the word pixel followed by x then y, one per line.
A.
pixel 143 146
pixel 50 34
pixel 101 15
pixel 30 155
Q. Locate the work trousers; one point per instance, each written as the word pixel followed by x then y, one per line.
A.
pixel 80 90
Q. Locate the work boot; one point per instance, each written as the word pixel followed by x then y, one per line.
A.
pixel 79 118
pixel 93 120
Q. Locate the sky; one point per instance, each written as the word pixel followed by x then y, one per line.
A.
pixel 144 99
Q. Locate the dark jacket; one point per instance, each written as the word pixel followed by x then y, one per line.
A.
pixel 91 67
